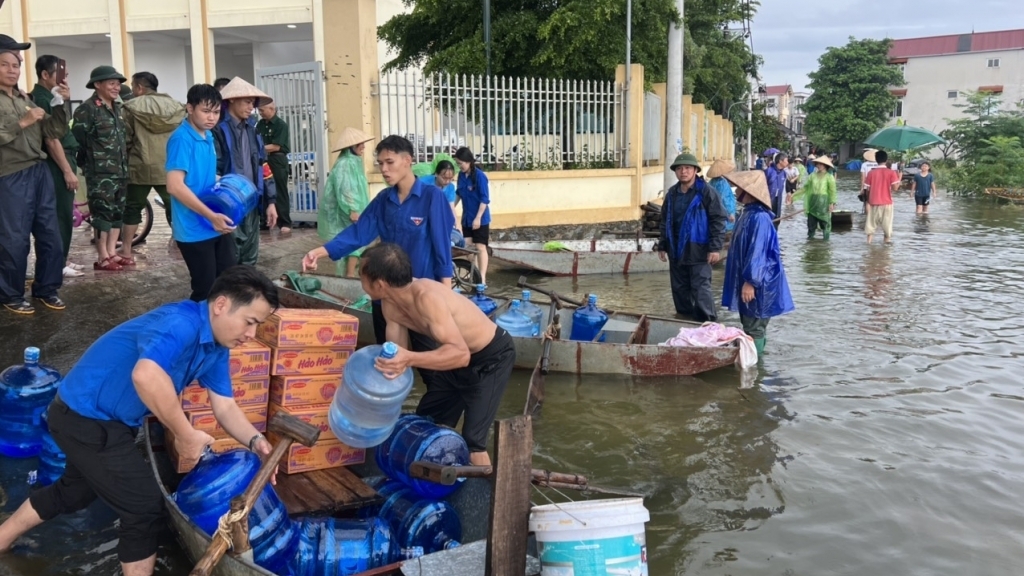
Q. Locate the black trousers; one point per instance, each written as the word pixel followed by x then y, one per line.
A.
pixel 777 206
pixel 206 260
pixel 279 168
pixel 691 290
pixel 103 461
pixel 28 209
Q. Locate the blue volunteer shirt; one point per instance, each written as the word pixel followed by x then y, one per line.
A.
pixel 420 225
pixel 194 154
pixel 448 191
pixel 178 337
pixel 474 192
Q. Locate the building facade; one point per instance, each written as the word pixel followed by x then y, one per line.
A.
pixel 940 71
pixel 778 100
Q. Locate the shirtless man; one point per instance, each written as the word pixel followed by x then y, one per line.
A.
pixel 473 357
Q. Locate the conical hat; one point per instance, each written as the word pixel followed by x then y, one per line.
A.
pixel 350 137
pixel 827 161
pixel 752 182
pixel 720 168
pixel 239 88
pixel 869 154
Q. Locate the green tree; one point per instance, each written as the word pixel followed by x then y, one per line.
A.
pixel 576 39
pixel 766 131
pixel 851 96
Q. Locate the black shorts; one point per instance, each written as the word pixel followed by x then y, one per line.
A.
pixel 790 187
pixel 922 200
pixel 475 391
pixel 481 235
pixel 103 461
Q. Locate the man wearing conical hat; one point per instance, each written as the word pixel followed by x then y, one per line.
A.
pixel 692 234
pixel 755 280
pixel 240 151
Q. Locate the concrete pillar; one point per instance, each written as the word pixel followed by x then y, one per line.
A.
pixel 204 67
pixel 122 48
pixel 687 120
pixel 19 24
pixel 659 90
pixel 350 64
pixel 697 115
pixel 635 138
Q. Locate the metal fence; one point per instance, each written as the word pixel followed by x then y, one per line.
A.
pixel 652 127
pixel 510 123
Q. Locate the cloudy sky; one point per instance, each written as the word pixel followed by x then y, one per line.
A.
pixel 791 34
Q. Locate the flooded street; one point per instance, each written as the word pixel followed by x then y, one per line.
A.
pixel 882 436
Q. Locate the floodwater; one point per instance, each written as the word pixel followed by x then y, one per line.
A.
pixel 882 434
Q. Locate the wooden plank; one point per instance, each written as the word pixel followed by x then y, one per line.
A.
pixel 330 490
pixel 510 507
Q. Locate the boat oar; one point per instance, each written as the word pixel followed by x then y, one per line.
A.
pixel 535 393
pixel 788 216
pixel 448 475
pixel 233 531
pixel 551 294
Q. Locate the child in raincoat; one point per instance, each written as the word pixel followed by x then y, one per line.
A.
pixel 819 194
pixel 346 194
pixel 755 281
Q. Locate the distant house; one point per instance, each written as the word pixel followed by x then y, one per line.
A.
pixel 940 70
pixel 778 102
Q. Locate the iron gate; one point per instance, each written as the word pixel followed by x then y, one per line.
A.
pixel 298 91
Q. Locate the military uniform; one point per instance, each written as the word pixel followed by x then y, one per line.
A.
pixel 65 198
pixel 275 131
pixel 101 133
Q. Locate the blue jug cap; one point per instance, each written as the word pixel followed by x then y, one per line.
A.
pixel 389 350
pixel 592 299
pixel 31 355
pixel 514 305
pixel 526 294
pixel 481 287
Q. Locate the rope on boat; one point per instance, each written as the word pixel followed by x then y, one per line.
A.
pixel 225 522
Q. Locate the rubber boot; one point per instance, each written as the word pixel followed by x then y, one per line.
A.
pixel 759 344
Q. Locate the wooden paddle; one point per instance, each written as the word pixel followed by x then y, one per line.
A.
pixel 289 429
pixel 535 393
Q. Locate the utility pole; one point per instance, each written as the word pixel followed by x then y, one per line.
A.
pixel 629 76
pixel 488 153
pixel 487 33
pixel 674 95
pixel 750 128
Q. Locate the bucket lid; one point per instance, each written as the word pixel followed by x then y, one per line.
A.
pixel 588 514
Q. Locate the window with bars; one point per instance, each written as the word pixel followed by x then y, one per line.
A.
pixel 952 93
pixel 993 62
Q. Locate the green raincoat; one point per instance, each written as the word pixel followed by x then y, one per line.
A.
pixel 347 191
pixel 819 194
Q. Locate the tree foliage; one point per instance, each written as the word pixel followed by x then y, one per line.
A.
pixel 766 130
pixel 576 39
pixel 986 141
pixel 851 96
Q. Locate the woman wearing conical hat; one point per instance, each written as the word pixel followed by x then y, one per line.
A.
pixel 346 194
pixel 819 194
pixel 755 281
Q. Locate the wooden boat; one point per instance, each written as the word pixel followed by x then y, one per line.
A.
pixel 583 256
pixel 337 491
pixel 842 219
pixel 630 346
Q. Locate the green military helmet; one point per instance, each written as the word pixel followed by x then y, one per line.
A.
pixel 126 93
pixel 685 159
pixel 101 73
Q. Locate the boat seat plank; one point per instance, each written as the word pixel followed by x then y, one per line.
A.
pixel 330 490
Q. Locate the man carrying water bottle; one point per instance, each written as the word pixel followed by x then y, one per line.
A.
pixel 136 369
pixel 472 359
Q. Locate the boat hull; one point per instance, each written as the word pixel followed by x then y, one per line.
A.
pixel 584 257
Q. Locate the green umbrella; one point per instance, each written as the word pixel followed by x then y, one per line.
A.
pixel 902 138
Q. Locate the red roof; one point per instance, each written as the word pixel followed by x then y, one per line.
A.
pixel 778 90
pixel 957 43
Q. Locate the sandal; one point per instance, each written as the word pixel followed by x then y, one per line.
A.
pixel 107 264
pixel 124 262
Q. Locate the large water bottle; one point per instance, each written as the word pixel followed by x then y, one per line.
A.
pixel 333 547
pixel 25 392
pixel 416 438
pixel 515 322
pixel 205 494
pixel 233 196
pixel 483 302
pixel 51 461
pixel 367 404
pixel 587 321
pixel 430 524
pixel 533 312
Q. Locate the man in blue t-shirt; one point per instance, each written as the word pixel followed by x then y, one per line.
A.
pixel 138 368
pixel 203 236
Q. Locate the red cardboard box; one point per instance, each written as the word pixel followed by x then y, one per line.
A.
pixel 205 420
pixel 303 390
pixel 309 328
pixel 288 362
pixel 250 360
pixel 247 392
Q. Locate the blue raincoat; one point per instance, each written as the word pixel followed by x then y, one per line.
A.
pixel 695 222
pixel 754 257
pixel 728 199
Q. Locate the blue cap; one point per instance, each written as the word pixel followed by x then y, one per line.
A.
pixel 31 355
pixel 389 350
pixel 592 299
pixel 481 287
pixel 526 294
pixel 514 305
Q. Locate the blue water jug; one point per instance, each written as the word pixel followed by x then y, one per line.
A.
pixel 587 321
pixel 205 494
pixel 533 312
pixel 25 392
pixel 367 404
pixel 515 322
pixel 416 438
pixel 233 196
pixel 51 461
pixel 333 547
pixel 458 240
pixel 430 524
pixel 484 303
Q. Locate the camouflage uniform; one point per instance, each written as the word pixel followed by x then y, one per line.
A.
pixel 103 157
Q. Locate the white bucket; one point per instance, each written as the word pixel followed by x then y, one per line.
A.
pixel 595 538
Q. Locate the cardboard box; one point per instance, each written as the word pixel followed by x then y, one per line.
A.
pixel 247 392
pixel 205 420
pixel 287 362
pixel 315 414
pixel 323 454
pixel 303 390
pixel 250 360
pixel 219 446
pixel 305 328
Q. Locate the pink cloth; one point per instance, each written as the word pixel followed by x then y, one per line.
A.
pixel 715 334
